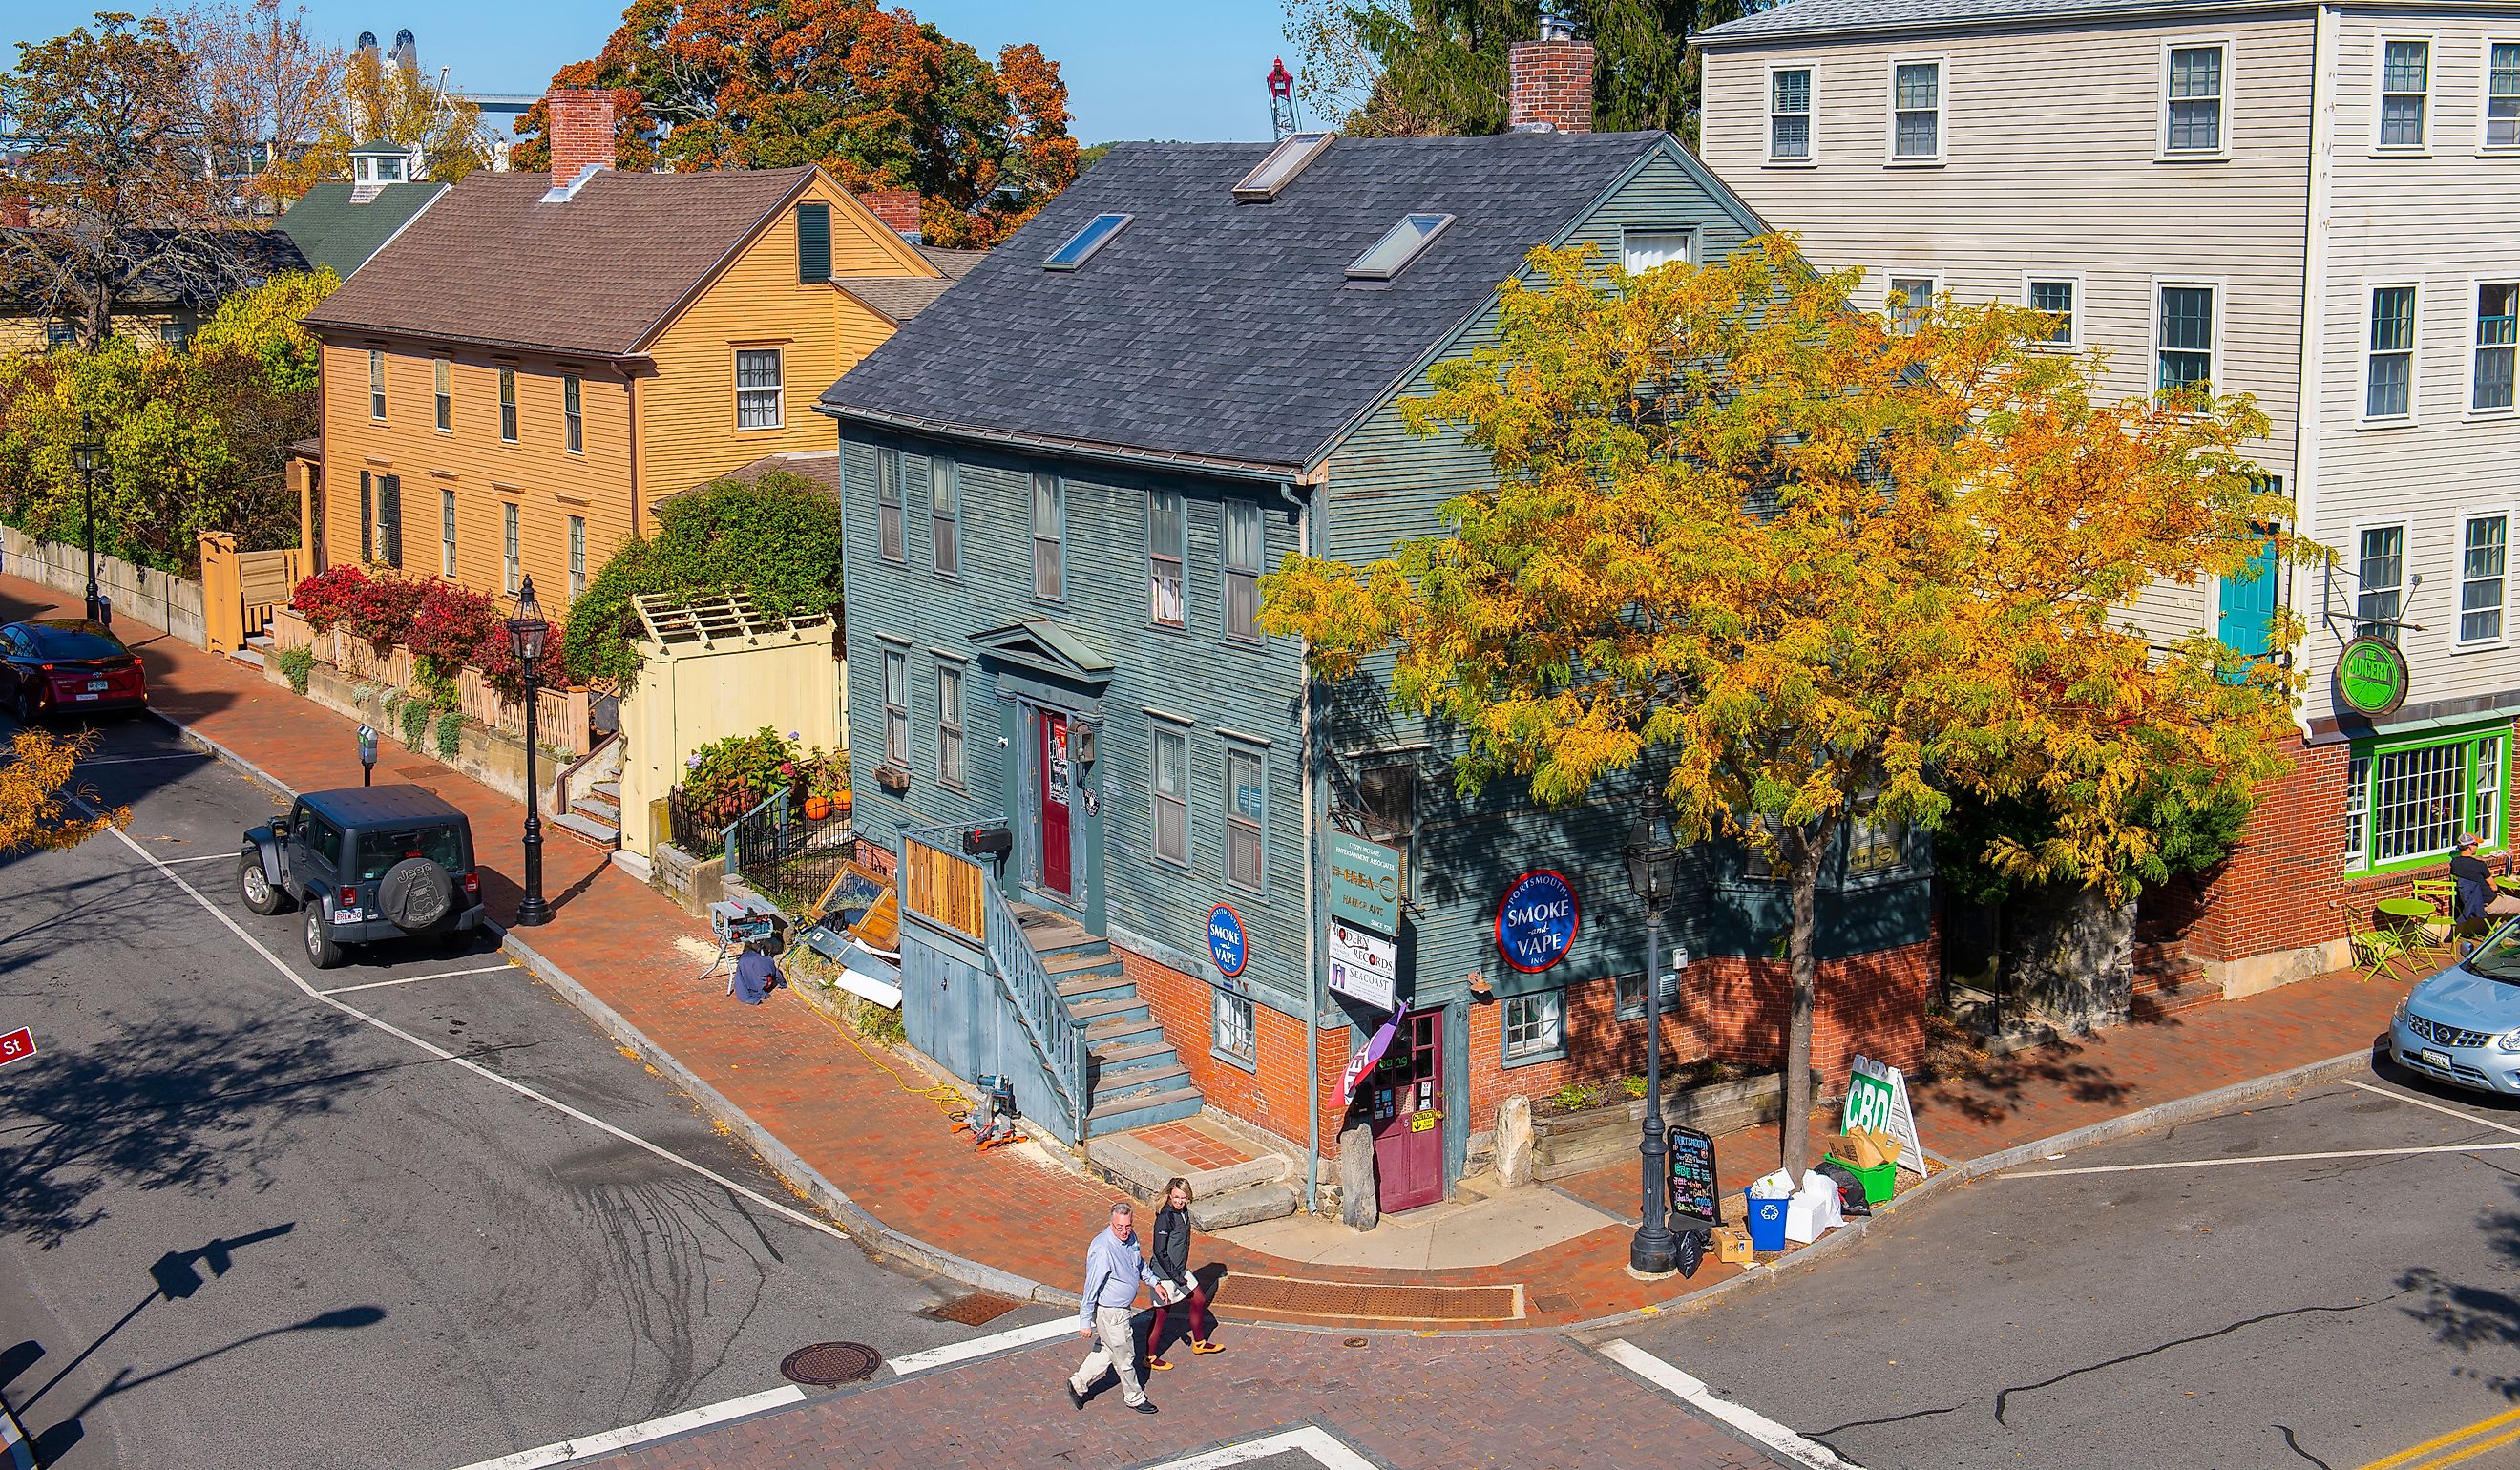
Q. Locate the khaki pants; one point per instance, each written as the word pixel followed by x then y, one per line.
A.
pixel 1115 1345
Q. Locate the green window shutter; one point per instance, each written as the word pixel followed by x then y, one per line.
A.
pixel 813 243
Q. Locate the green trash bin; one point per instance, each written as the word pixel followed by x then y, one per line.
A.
pixel 1877 1182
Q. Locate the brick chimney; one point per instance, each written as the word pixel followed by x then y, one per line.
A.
pixel 16 211
pixel 580 131
pixel 1548 87
pixel 896 207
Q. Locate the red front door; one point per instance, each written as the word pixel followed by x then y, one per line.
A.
pixel 1408 1110
pixel 1054 876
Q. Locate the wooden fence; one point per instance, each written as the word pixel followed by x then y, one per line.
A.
pixel 241 589
pixel 561 716
pixel 944 888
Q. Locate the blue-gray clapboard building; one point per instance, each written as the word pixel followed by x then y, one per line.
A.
pixel 1063 483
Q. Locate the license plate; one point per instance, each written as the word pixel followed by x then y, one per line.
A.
pixel 96 685
pixel 2432 1058
pixel 82 697
pixel 354 915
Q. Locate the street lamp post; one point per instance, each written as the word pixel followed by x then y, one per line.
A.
pixel 84 457
pixel 526 632
pixel 1654 871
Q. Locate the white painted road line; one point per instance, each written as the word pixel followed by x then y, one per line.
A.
pixel 204 857
pixel 138 760
pixel 2260 1158
pixel 1749 1421
pixel 981 1347
pixel 2463 1114
pixel 487 969
pixel 476 1068
pixel 1313 1440
pixel 590 1446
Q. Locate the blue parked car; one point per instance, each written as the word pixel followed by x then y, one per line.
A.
pixel 2462 1026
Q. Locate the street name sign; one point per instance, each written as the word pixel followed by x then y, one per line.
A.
pixel 17 1046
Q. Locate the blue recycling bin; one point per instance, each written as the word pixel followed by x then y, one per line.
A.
pixel 1767 1222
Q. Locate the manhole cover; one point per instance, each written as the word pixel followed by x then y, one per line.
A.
pixel 830 1364
pixel 974 1310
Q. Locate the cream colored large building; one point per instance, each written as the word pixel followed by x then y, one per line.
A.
pixel 2316 205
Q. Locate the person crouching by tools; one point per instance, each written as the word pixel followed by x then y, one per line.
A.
pixel 756 976
pixel 1113 1271
pixel 1175 1283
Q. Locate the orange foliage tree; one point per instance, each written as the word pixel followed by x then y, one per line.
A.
pixel 879 97
pixel 1810 566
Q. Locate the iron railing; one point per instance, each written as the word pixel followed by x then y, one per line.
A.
pixel 692 830
pixel 786 856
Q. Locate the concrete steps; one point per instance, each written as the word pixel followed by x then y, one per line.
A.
pixel 1134 1078
pixel 594 814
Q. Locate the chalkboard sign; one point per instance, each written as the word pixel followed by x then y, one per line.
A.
pixel 1697 1200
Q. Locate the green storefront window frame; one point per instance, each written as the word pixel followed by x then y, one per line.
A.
pixel 2473 736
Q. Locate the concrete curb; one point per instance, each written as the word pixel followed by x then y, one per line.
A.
pixel 870 1232
pixel 253 772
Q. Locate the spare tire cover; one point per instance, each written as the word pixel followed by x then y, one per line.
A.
pixel 415 893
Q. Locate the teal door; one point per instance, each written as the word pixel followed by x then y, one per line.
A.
pixel 2248 602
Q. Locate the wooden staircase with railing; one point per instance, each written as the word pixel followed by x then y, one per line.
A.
pixel 1134 1078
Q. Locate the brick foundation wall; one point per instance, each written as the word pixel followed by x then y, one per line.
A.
pixel 1551 83
pixel 2281 887
pixel 1271 1099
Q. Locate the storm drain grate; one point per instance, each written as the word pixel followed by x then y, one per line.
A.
pixel 974 1310
pixel 830 1364
pixel 1366 1302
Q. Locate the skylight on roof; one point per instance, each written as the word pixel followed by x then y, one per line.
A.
pixel 1392 253
pixel 1283 163
pixel 1096 233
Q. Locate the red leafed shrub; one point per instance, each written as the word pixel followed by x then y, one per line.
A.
pixel 381 611
pixel 324 598
pixel 450 628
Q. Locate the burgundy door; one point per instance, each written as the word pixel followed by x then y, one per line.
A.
pixel 1054 767
pixel 1408 1111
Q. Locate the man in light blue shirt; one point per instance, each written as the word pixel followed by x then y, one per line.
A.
pixel 1106 1310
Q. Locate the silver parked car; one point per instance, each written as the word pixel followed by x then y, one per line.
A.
pixel 2462 1026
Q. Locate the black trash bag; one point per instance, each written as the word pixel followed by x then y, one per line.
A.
pixel 1692 1250
pixel 1850 1189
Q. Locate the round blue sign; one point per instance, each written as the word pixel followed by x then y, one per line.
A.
pixel 1225 943
pixel 1536 924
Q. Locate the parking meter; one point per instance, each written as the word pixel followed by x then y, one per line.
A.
pixel 367 755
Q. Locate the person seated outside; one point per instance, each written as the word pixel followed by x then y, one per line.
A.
pixel 2475 891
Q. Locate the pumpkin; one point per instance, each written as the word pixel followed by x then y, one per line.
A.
pixel 816 808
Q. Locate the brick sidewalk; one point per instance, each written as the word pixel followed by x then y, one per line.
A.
pixel 859 1117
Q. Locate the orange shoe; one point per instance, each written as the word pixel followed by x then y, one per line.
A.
pixel 1162 1367
pixel 1205 1348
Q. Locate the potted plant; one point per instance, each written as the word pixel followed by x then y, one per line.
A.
pixel 827 783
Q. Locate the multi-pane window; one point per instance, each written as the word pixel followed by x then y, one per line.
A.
pixel 2485 806
pixel 2358 811
pixel 1167 546
pixel 2056 299
pixel 1242 569
pixel 896 707
pixel 2406 85
pixel 573 411
pixel 1630 993
pixel 63 333
pixel 1875 844
pixel 367 516
pixel 1909 300
pixel 1170 790
pixel 1535 1025
pixel 2183 345
pixel 1048 537
pixel 1235 1031
pixel 756 389
pixel 377 385
pixel 446 532
pixel 2411 804
pixel 949 723
pixel 944 516
pixel 2502 95
pixel 444 371
pixel 2483 556
pixel 2497 337
pixel 1916 110
pixel 1247 808
pixel 887 505
pixel 390 520
pixel 2380 581
pixel 1789 115
pixel 2388 390
pixel 508 405
pixel 2195 120
pixel 576 557
pixel 511 554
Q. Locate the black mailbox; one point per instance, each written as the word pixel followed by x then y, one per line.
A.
pixel 988 842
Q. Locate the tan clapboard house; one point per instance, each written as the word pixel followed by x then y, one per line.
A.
pixel 515 380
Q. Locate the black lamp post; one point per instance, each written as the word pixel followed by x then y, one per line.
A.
pixel 1654 871
pixel 526 632
pixel 85 456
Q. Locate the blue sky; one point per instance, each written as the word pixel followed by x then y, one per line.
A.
pixel 1188 69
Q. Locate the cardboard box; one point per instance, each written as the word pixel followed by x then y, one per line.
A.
pixel 1862 1150
pixel 1732 1245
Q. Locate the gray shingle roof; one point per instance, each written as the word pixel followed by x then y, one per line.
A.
pixel 335 232
pixel 1230 330
pixel 1800 17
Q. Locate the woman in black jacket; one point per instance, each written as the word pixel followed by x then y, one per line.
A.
pixel 1171 1263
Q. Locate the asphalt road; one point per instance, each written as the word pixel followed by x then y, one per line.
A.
pixel 239 1226
pixel 2325 1312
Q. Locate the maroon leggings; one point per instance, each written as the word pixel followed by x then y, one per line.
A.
pixel 1198 1305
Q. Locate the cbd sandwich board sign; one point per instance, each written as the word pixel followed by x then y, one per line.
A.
pixel 1365 884
pixel 1876 1098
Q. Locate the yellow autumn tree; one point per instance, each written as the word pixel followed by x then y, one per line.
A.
pixel 1803 564
pixel 35 812
pixel 368 99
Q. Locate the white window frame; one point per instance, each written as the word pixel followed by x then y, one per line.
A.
pixel 777 392
pixel 1686 233
pixel 950 729
pixel 512 541
pixel 512 413
pixel 2353 583
pixel 1050 490
pixel 2379 86
pixel 1632 1007
pixel 896 707
pixel 572 413
pixel 1546 1039
pixel 944 517
pixel 1176 555
pixel 2460 578
pixel 1234 1024
pixel 1810 116
pixel 446 531
pixel 2152 335
pixel 577 557
pixel 1236 821
pixel 891 510
pixel 2476 350
pixel 376 386
pixel 1232 575
pixel 1890 154
pixel 1890 282
pixel 2414 351
pixel 441 374
pixel 2073 338
pixel 2163 153
pixel 2485 145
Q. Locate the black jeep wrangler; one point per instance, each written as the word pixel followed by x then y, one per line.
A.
pixel 369 863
